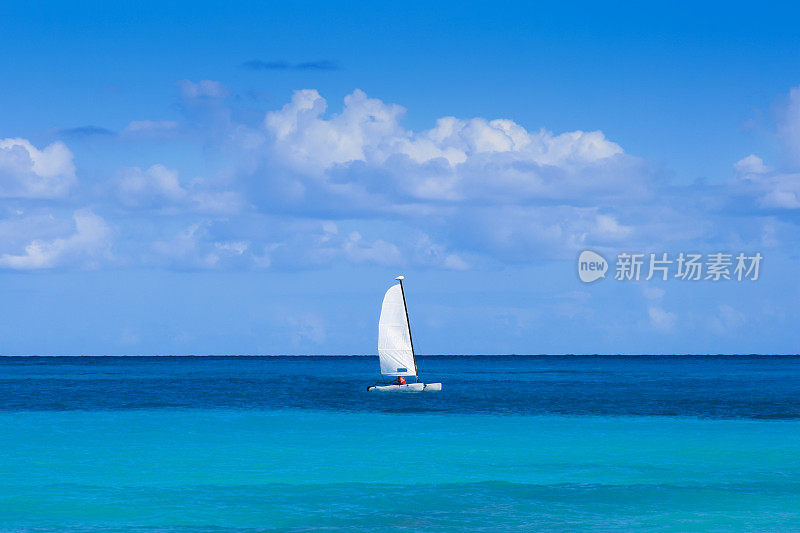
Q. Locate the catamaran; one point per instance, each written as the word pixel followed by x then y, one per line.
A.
pixel 395 347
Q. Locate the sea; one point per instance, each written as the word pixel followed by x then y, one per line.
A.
pixel 511 443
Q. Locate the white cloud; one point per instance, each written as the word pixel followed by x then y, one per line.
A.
pixel 308 243
pixel 157 184
pixel 185 246
pixel 727 319
pixel 608 228
pixel 769 230
pixel 418 250
pixel 785 195
pixel 491 185
pixel 660 319
pixel 752 164
pixel 773 189
pixel 159 187
pixel 521 233
pixel 27 172
pixel 88 245
pixel 458 194
pixel 653 293
pixel 426 252
pixel 232 247
pixel 215 202
pixel 311 142
pixel 18 227
pixel 320 247
pixel 463 192
pixel 358 250
pixel 457 160
pixel 369 130
pixel 195 247
pixel 777 188
pixel 202 89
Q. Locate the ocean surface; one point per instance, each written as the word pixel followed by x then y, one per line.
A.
pixel 512 443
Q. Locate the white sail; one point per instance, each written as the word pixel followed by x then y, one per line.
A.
pixel 394 336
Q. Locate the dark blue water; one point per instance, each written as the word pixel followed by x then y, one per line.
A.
pixel 697 386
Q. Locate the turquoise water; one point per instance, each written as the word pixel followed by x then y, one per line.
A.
pixel 256 466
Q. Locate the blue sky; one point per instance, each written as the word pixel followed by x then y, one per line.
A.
pixel 249 178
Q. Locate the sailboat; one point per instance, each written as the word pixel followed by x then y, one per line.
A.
pixel 395 347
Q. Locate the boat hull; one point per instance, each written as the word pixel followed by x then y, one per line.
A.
pixel 409 387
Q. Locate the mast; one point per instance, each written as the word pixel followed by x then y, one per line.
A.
pixel 405 306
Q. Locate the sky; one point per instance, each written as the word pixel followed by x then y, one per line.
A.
pixel 249 178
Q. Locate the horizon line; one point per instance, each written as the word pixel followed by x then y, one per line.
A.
pixel 628 354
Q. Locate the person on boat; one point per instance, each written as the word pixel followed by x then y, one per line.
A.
pixel 399 381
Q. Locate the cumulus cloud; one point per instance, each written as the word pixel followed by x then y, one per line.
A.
pixel 461 192
pixel 157 184
pixel 87 246
pixel 196 247
pixel 429 253
pixel 365 146
pixel 28 172
pixel 357 250
pixel 489 185
pixel 457 194
pixel 519 232
pixel 772 188
pixel 369 130
pixel 324 243
pixel 777 187
pixel 653 293
pixel 280 243
pixel 784 192
pixel 660 319
pixel 752 164
pixel 159 187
